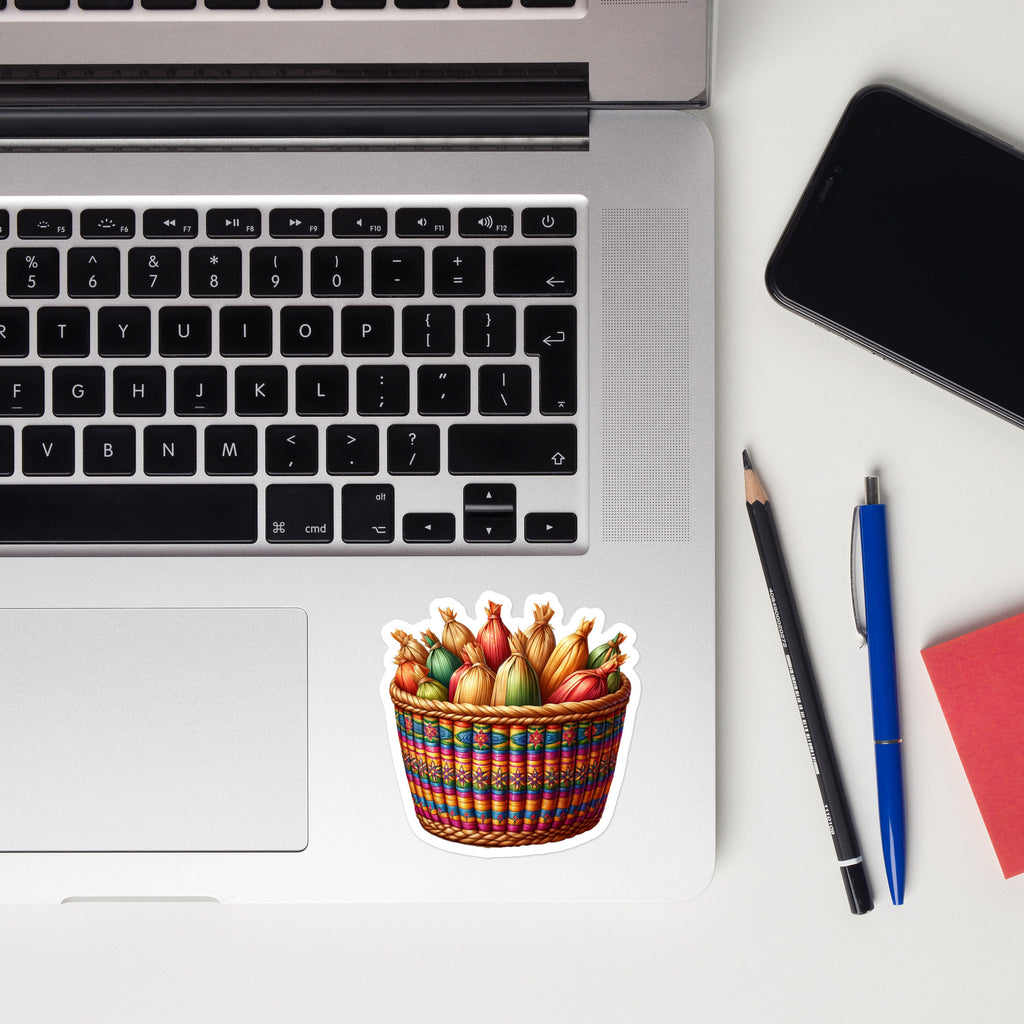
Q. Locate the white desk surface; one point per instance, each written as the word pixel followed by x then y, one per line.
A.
pixel 772 938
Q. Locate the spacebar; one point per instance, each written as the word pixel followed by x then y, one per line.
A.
pixel 128 513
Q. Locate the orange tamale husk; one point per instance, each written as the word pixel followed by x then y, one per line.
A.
pixel 540 637
pixel 493 637
pixel 587 683
pixel 455 635
pixel 477 683
pixel 409 675
pixel 409 647
pixel 570 655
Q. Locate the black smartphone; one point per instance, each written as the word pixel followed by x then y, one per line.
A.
pixel 909 239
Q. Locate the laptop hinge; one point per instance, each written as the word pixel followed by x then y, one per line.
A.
pixel 286 105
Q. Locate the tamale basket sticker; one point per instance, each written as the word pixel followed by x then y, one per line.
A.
pixel 509 734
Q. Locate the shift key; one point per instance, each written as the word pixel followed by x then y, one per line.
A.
pixel 500 449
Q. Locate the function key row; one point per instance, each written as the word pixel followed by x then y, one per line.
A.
pixel 349 222
pixel 286 5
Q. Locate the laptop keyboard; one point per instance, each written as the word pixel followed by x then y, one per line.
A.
pixel 294 374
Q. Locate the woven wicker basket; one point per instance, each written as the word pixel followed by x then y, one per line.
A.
pixel 509 776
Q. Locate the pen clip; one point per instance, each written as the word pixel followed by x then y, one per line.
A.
pixel 857 579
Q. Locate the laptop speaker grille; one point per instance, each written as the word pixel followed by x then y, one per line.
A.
pixel 645 312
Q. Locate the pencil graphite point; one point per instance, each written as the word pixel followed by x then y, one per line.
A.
pixel 754 491
pixel 746 460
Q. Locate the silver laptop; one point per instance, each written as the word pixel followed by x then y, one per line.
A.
pixel 291 358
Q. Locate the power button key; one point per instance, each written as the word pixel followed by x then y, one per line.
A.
pixel 549 222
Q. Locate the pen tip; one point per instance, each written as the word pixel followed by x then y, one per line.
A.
pixel 746 460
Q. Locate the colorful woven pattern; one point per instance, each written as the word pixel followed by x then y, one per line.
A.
pixel 509 776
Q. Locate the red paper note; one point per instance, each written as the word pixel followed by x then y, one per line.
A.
pixel 979 680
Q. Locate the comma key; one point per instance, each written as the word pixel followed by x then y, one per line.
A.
pixel 300 514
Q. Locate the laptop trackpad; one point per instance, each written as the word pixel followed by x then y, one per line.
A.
pixel 153 729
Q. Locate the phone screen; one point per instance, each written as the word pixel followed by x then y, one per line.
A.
pixel 910 240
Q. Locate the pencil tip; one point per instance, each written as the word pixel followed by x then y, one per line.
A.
pixel 746 460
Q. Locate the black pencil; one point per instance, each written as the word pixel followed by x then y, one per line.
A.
pixel 808 701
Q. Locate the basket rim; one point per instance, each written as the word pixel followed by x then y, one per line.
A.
pixel 498 713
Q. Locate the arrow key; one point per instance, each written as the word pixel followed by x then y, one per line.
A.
pixel 428 528
pixel 550 528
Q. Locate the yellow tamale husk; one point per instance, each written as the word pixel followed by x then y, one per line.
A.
pixel 513 667
pixel 409 647
pixel 540 637
pixel 455 635
pixel 477 684
pixel 570 655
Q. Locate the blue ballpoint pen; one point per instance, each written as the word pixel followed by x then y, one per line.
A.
pixel 874 548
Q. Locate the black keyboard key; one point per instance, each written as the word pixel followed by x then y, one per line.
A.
pixel 168 5
pixel 307 331
pixel 108 451
pixel 169 451
pixel 154 273
pixel 246 223
pixel 6 450
pixel 414 449
pixel 13 332
pixel 549 332
pixel 215 272
pixel 358 222
pixel 367 513
pixel 300 513
pixel 275 272
pixel 62 331
pixel 485 3
pixel 442 390
pixel 79 391
pixel 353 450
pixel 548 3
pixel 45 223
pixel 428 331
pixel 396 270
pixel 428 528
pixel 505 390
pixel 367 331
pixel 535 270
pixel 123 331
pixel 321 390
pixel 458 270
pixel 94 273
pixel 128 513
pixel 230 450
pixel 382 390
pixel 296 223
pixel 228 5
pixel 107 223
pixel 423 222
pixel 489 330
pixel 140 391
pixel 246 331
pixel 21 391
pixel 550 528
pixel 486 449
pixel 357 5
pixel 489 513
pixel 176 223
pixel 200 391
pixel 549 221
pixel 48 451
pixel 261 390
pixel 486 222
pixel 5 224
pixel 292 451
pixel 185 331
pixel 33 273
pixel 336 271
pixel 420 4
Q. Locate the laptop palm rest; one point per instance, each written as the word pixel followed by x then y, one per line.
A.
pixel 153 729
